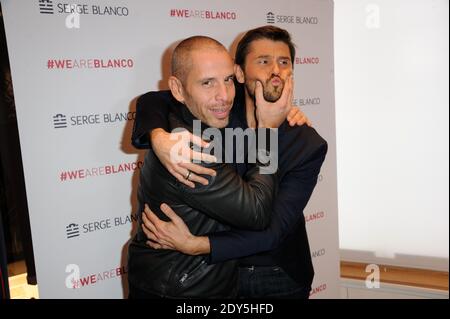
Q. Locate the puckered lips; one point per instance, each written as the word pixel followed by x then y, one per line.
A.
pixel 276 81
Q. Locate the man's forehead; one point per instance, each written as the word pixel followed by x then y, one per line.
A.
pixel 268 47
pixel 210 53
pixel 212 64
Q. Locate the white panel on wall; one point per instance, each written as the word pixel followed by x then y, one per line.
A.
pixel 392 102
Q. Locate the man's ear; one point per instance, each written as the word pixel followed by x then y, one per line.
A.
pixel 176 87
pixel 239 73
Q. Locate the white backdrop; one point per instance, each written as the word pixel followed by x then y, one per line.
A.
pixel 76 77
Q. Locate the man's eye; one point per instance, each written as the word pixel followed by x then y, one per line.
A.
pixel 229 79
pixel 207 83
pixel 263 61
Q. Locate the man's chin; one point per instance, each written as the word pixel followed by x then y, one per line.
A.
pixel 272 97
pixel 273 93
pixel 218 123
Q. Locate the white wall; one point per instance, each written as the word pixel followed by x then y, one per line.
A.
pixel 392 102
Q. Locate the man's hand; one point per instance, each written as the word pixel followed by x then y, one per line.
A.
pixel 271 115
pixel 297 117
pixel 174 235
pixel 162 144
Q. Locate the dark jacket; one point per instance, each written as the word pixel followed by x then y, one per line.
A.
pixel 285 242
pixel 241 202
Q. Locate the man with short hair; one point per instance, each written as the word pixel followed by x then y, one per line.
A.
pixel 275 262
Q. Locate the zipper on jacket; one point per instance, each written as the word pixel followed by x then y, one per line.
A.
pixel 183 278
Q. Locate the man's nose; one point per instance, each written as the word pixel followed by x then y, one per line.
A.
pixel 276 69
pixel 222 93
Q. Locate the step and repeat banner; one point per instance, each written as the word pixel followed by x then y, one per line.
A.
pixel 77 69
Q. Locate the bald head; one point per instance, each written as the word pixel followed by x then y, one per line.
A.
pixel 181 58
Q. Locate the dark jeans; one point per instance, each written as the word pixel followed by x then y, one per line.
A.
pixel 269 282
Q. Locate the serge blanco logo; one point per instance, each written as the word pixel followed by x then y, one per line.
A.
pixel 72 230
pixel 46 6
pixel 75 230
pixel 61 120
pixel 270 18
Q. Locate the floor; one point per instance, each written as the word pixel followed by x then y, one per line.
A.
pixel 18 286
pixel 350 288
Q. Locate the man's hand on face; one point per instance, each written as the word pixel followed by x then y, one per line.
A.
pixel 273 114
pixel 173 235
pixel 162 144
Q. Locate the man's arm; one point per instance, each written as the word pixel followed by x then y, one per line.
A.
pixel 243 202
pixel 150 131
pixel 294 193
pixel 152 111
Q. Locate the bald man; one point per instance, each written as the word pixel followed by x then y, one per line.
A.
pixel 202 86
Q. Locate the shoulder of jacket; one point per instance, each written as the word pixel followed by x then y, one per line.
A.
pixel 155 95
pixel 305 134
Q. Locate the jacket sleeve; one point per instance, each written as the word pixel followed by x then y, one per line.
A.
pixel 294 193
pixel 240 202
pixel 152 111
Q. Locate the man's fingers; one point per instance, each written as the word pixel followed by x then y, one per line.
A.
pixel 291 97
pixel 291 94
pixel 194 175
pixel 149 234
pixel 183 172
pixel 182 178
pixel 197 140
pixel 296 117
pixel 147 224
pixel 178 176
pixel 196 178
pixel 159 246
pixel 301 119
pixel 157 239
pixel 169 212
pixel 287 93
pixel 147 209
pixel 198 169
pixel 155 225
pixel 259 96
pixel 201 157
pixel 154 245
pixel 195 172
pixel 292 114
pixel 155 221
pixel 162 242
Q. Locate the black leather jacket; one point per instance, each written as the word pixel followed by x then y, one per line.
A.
pixel 241 202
